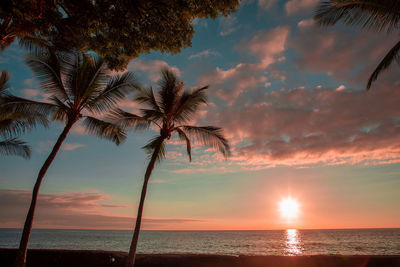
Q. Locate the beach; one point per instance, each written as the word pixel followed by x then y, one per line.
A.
pixel 85 258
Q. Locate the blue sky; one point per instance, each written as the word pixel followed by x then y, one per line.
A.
pixel 291 99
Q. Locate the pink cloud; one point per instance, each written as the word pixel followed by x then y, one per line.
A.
pixel 78 129
pixel 76 210
pixel 227 25
pixel 302 127
pixel 30 93
pixel 157 181
pixel 347 56
pixel 294 6
pixel 151 67
pixel 70 147
pixel 266 47
pixel 204 53
pixel 266 4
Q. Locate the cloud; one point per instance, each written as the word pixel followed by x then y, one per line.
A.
pixel 157 181
pixel 267 45
pixel 294 6
pixel 152 68
pixel 45 146
pixel 340 88
pixel 30 93
pixel 74 210
pixel 201 23
pixel 227 25
pixel 305 23
pixel 266 48
pixel 79 129
pixel 266 4
pixel 347 56
pixel 204 53
pixel 70 147
pixel 309 126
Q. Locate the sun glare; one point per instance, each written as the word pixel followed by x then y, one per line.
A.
pixel 289 208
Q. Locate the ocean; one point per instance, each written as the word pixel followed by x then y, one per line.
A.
pixel 273 242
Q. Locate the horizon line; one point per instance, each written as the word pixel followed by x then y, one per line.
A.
pixel 194 230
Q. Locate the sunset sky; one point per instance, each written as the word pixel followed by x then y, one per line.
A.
pixel 290 97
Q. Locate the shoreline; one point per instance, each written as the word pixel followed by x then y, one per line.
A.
pixel 99 258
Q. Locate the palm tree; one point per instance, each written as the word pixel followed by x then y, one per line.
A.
pixel 169 110
pixel 375 15
pixel 14 123
pixel 80 88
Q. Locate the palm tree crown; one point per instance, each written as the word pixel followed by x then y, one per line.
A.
pixel 79 86
pixel 170 110
pixel 14 123
pixel 375 15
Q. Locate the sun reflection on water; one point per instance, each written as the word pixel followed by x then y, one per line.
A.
pixel 293 244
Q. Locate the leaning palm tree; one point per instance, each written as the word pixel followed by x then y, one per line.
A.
pixel 80 88
pixel 169 110
pixel 375 15
pixel 13 124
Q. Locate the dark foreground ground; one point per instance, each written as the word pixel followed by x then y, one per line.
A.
pixel 85 258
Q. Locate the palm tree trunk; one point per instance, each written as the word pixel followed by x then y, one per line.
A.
pixel 130 260
pixel 23 245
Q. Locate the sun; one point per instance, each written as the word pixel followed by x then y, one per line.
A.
pixel 289 208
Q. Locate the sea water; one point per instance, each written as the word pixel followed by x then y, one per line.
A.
pixel 274 242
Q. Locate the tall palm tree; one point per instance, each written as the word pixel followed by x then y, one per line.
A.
pixel 13 124
pixel 375 15
pixel 169 110
pixel 80 88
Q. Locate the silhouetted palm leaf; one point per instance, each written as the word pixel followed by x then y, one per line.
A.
pixel 209 136
pixel 156 142
pixel 189 103
pixel 375 15
pixel 116 89
pixel 393 55
pixel 48 67
pixel 15 147
pixel 16 120
pixel 183 136
pixel 128 120
pixel 104 129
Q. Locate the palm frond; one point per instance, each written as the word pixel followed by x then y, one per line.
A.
pixel 183 136
pixel 33 42
pixel 17 123
pixel 47 65
pixel 151 114
pixel 117 88
pixel 189 103
pixel 104 129
pixel 128 120
pixel 154 143
pixel 61 112
pixel 14 104
pixel 393 55
pixel 94 76
pixel 147 97
pixel 170 88
pixel 376 15
pixel 15 147
pixel 4 77
pixel 209 136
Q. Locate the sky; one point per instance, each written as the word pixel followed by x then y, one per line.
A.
pixel 290 97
